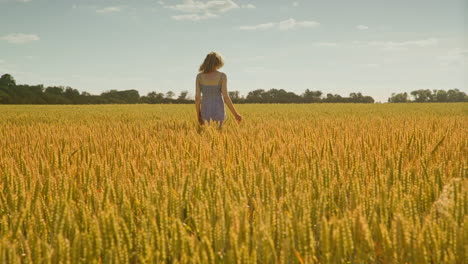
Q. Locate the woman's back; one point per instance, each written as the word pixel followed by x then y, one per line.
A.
pixel 211 84
pixel 211 78
pixel 212 107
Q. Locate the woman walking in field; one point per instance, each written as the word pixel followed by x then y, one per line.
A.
pixel 211 90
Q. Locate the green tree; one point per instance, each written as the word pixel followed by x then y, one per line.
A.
pixel 4 97
pixel 72 95
pixel 153 98
pixel 7 80
pixel 170 95
pixel 440 96
pixel 456 95
pixel 422 96
pixel 183 96
pixel 399 98
pixel 312 96
pixel 255 96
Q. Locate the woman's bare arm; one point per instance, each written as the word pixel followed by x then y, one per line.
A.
pixel 227 99
pixel 197 98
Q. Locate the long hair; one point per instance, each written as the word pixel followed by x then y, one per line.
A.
pixel 212 62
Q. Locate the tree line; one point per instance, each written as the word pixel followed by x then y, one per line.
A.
pixel 425 96
pixel 282 96
pixel 12 93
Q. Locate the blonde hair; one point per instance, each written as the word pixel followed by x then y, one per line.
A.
pixel 212 62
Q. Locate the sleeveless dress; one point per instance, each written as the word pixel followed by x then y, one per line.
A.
pixel 212 102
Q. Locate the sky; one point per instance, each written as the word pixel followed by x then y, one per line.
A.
pixel 376 47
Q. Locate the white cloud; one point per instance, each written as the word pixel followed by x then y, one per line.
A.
pixel 454 57
pixel 288 24
pixel 362 27
pixel 110 9
pixel 200 10
pixel 194 17
pixel 403 45
pixel 293 24
pixel 295 4
pixel 398 45
pixel 258 27
pixel 212 6
pixel 248 6
pixel 20 38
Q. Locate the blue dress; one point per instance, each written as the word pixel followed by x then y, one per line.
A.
pixel 212 102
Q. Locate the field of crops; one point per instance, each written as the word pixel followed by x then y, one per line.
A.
pixel 320 183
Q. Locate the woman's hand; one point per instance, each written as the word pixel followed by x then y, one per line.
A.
pixel 238 117
pixel 200 119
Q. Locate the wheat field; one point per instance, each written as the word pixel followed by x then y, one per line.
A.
pixel 317 183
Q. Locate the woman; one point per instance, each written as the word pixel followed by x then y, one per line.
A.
pixel 211 88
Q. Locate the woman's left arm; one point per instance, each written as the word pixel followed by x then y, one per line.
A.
pixel 197 99
pixel 227 99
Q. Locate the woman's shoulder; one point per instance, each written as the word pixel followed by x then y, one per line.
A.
pixel 223 75
pixel 201 74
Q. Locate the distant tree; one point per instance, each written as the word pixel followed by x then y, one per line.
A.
pixel 280 96
pixel 334 98
pixel 26 94
pixel 359 98
pixel 7 80
pixel 356 97
pixel 456 95
pixel 55 95
pixel 121 97
pixel 170 95
pixel 5 98
pixel 399 98
pixel 113 96
pixel 54 90
pixel 183 96
pixel 311 96
pixel 153 98
pixel 255 96
pixel 130 96
pixel 422 96
pixel 235 97
pixel 439 96
pixel 367 100
pixel 72 95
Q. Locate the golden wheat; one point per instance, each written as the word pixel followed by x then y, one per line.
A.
pixel 322 183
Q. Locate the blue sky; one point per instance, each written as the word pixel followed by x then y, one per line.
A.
pixel 371 46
